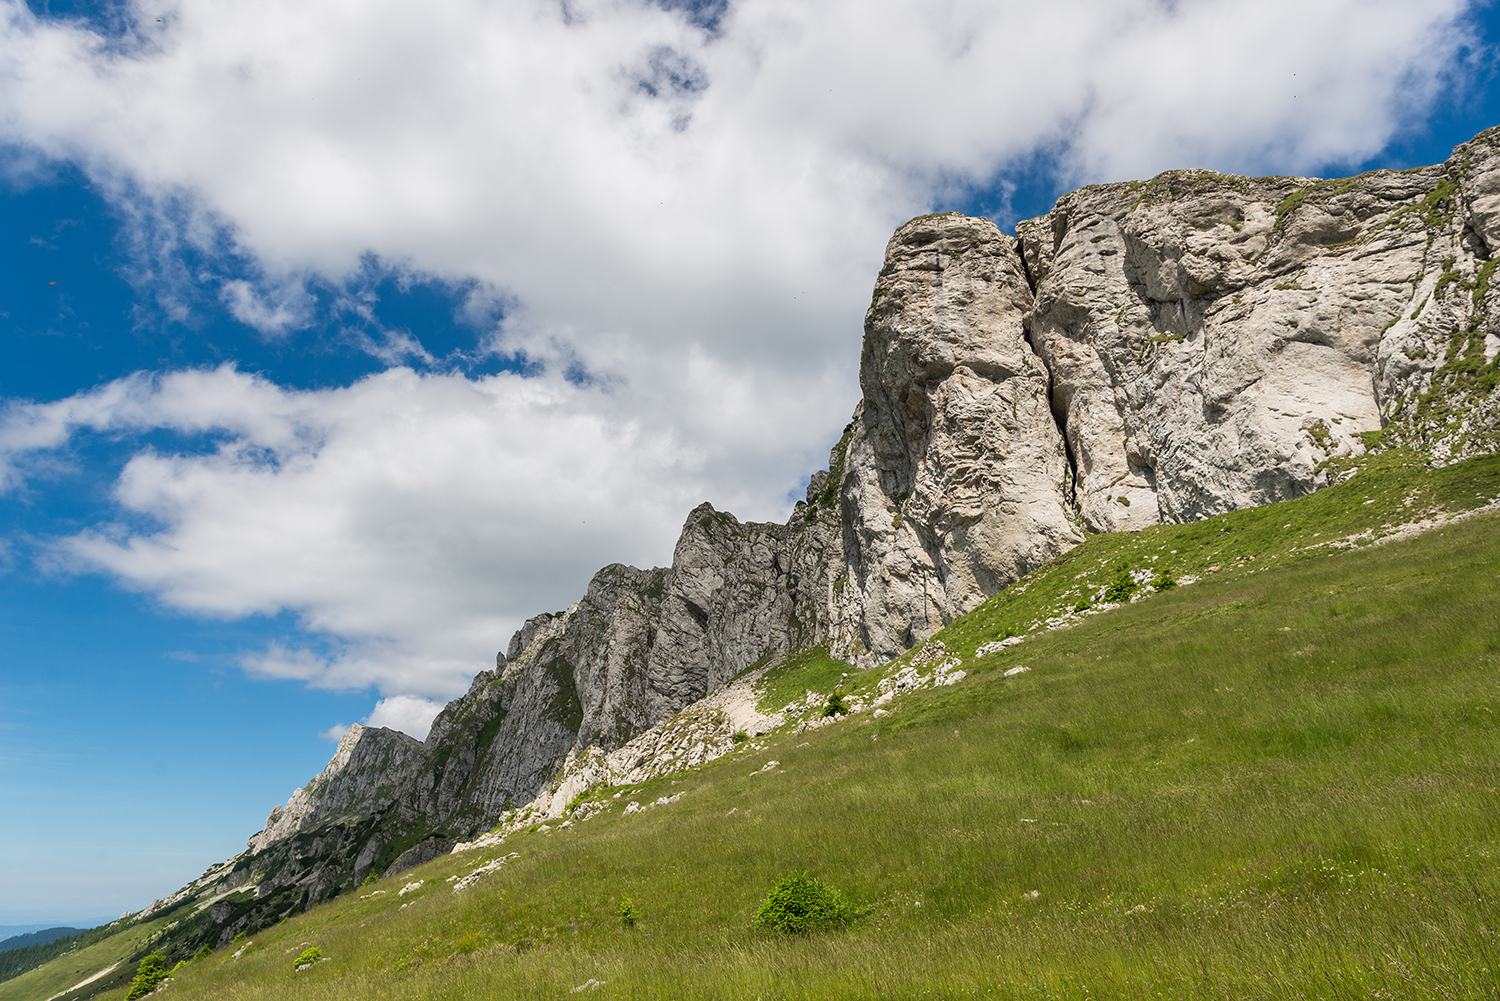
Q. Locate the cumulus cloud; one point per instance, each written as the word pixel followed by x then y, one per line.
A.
pixel 682 205
pixel 406 713
pixel 623 171
pixel 260 312
pixel 411 521
pixel 335 733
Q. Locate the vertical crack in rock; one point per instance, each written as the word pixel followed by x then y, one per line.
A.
pixel 1059 419
pixel 954 483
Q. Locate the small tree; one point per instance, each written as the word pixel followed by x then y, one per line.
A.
pixel 628 913
pixel 1121 588
pixel 148 976
pixel 800 903
pixel 835 705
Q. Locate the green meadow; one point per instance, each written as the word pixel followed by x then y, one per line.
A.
pixel 1276 780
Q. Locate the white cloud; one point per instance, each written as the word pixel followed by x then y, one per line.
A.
pixel 412 716
pixel 743 207
pixel 693 218
pixel 335 733
pixel 259 312
pixel 410 521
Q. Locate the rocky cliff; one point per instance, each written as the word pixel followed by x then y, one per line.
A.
pixel 1149 352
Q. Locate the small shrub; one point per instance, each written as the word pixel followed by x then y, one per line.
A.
pixel 1163 581
pixel 740 736
pixel 148 976
pixel 801 903
pixel 835 705
pixel 372 877
pixel 471 943
pixel 1121 588
pixel 628 913
pixel 309 956
pixel 203 953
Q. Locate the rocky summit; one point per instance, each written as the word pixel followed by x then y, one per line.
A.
pixel 1151 351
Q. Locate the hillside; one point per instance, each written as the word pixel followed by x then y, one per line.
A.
pixel 1148 354
pixel 1178 389
pixel 1277 781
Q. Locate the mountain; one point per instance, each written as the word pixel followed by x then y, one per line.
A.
pixel 1149 353
pixel 39 937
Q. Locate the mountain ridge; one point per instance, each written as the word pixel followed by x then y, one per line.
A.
pixel 1149 352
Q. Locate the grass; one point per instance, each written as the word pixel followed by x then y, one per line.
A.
pixel 811 670
pixel 1278 782
pixel 124 948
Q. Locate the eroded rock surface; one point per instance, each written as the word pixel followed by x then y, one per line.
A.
pixel 955 480
pixel 1215 340
pixel 365 776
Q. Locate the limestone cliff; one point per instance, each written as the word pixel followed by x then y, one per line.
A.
pixel 954 482
pixel 1215 340
pixel 1149 352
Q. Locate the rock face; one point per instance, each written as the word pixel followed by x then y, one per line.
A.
pixel 955 479
pixel 1148 352
pixel 1215 340
pixel 366 773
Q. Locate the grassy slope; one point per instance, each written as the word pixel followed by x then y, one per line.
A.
pixel 62 973
pixel 1277 782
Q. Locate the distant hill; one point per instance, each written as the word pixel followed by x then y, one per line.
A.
pixel 37 937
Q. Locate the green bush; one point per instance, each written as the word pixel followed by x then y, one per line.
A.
pixel 628 913
pixel 740 736
pixel 801 903
pixel 309 956
pixel 835 705
pixel 148 976
pixel 1121 588
pixel 203 953
pixel 1163 581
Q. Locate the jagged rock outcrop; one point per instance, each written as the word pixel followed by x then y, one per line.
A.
pixel 637 648
pixel 1148 352
pixel 954 482
pixel 364 777
pixel 1215 340
pixel 645 644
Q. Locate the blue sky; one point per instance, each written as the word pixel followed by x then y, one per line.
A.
pixel 332 349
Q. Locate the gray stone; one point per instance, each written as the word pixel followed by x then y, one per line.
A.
pixel 954 484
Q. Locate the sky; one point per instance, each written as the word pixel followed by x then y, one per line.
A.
pixel 337 337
